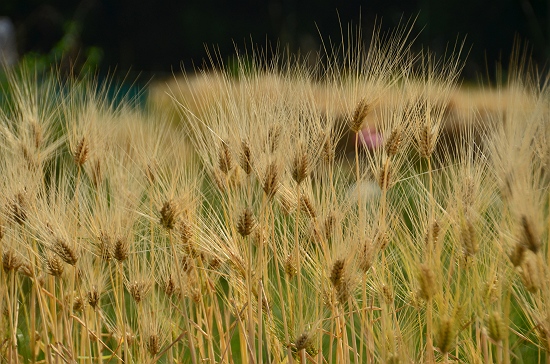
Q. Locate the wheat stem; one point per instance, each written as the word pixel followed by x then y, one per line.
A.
pixel 297 254
pixel 186 317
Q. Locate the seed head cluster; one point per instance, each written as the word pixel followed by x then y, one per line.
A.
pixel 81 152
pixel 361 111
pixel 168 215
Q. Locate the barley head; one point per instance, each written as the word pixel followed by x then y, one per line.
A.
pixel 168 215
pixel 80 154
pixel 343 290
pixel 121 249
pixel 196 294
pixel 382 240
pixel 246 222
pixel 530 237
pixel 300 166
pixel 153 344
pixel 366 256
pixel 93 297
pixel 26 269
pixel 415 300
pixel 225 160
pixel 10 261
pixel 393 359
pixel 214 264
pixel 271 180
pixel 530 274
pixel 517 254
pixel 436 230
pixel 427 141
pixel 361 111
pixel 329 225
pixel 446 334
pixel 426 278
pixel 138 289
pixel 385 176
pixel 169 285
pixel 328 151
pixel 185 233
pixel 496 326
pixel 54 265
pixel 393 142
pixel 18 208
pixel 468 195
pixel 274 137
pixel 245 160
pixel 78 303
pixel 65 251
pixel 291 269
pixel 337 272
pixel 387 294
pixel 302 341
pixel 307 206
pixel 104 246
pixel 97 173
pixel 469 239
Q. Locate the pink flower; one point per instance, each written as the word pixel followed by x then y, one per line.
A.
pixel 370 138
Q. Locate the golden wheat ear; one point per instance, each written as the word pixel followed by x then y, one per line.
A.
pixel 169 213
pixel 81 152
pixel 446 334
pixel 246 222
pixel 271 179
pixel 300 167
pixel 11 261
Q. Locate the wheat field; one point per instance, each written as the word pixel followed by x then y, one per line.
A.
pixel 242 216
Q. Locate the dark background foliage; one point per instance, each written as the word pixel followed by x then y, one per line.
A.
pixel 153 37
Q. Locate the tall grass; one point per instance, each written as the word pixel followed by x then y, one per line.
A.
pixel 246 232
